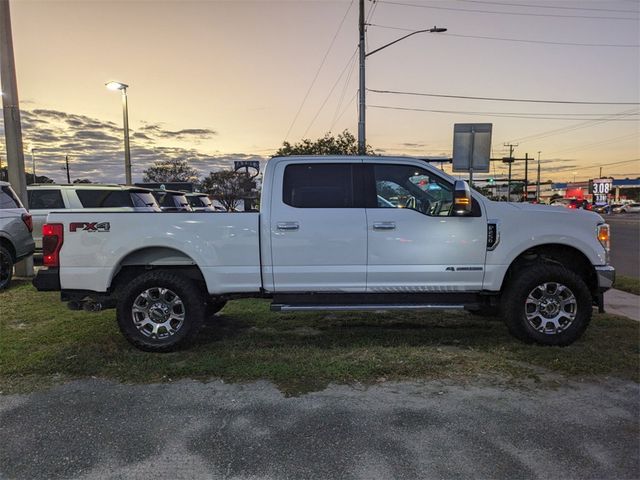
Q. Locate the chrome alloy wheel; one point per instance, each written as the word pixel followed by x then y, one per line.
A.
pixel 158 313
pixel 551 308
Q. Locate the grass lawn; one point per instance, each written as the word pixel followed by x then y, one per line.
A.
pixel 43 343
pixel 627 284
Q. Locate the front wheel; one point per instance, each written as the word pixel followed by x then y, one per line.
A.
pixel 160 311
pixel 6 268
pixel 548 305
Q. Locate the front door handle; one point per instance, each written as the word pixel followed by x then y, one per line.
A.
pixel 288 226
pixel 384 225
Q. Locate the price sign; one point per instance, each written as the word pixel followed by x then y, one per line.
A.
pixel 600 189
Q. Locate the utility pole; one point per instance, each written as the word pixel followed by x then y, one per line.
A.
pixel 600 173
pixel 526 177
pixel 66 162
pixel 33 165
pixel 510 161
pixel 11 113
pixel 538 182
pixel 362 147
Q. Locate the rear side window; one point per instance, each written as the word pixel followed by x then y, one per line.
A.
pixel 8 198
pixel 48 199
pixel 104 198
pixel 199 201
pixel 142 199
pixel 319 185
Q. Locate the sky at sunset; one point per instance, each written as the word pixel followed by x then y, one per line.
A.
pixel 217 81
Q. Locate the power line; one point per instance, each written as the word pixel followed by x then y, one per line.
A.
pixel 344 110
pixel 531 116
pixel 318 71
pixel 349 63
pixel 588 146
pixel 549 6
pixel 519 40
pixel 494 99
pixel 571 128
pixel 506 13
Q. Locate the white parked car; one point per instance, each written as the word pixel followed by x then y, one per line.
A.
pixel 629 208
pixel 49 197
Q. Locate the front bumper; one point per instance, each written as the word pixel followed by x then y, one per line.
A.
pixel 606 276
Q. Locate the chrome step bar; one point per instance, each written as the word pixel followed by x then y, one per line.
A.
pixel 279 307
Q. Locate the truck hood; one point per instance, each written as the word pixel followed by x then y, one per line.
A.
pixel 542 212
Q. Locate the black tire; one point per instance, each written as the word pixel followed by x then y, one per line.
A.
pixel 160 323
pixel 6 268
pixel 548 305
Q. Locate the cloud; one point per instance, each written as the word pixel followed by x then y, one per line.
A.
pixel 95 146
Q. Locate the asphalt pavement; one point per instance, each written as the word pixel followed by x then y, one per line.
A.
pixel 625 243
pixel 94 429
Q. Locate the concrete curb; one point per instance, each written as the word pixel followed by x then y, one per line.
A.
pixel 622 303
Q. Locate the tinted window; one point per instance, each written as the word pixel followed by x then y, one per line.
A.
pixel 104 198
pixel 142 199
pixel 45 199
pixel 406 186
pixel 8 198
pixel 326 185
pixel 199 201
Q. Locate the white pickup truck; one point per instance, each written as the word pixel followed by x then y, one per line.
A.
pixel 336 233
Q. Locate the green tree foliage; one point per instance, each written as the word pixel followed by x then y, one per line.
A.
pixel 4 176
pixel 344 144
pixel 82 180
pixel 228 187
pixel 171 170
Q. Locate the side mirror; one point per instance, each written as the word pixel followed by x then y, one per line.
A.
pixel 461 199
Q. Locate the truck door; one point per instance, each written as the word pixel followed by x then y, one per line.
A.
pixel 318 228
pixel 414 244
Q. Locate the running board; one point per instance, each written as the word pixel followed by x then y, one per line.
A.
pixel 279 307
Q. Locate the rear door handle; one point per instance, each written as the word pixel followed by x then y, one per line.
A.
pixel 384 225
pixel 288 225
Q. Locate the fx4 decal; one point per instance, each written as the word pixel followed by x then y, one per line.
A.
pixel 90 227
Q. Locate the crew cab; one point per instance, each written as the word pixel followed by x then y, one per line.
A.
pixel 336 233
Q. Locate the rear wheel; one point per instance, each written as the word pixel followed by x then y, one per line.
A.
pixel 547 304
pixel 6 268
pixel 160 311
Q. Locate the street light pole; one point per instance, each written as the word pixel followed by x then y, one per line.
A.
pixel 125 114
pixel 362 141
pixel 33 165
pixel 538 182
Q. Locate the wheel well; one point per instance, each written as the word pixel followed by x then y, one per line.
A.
pixel 9 246
pixel 156 258
pixel 569 257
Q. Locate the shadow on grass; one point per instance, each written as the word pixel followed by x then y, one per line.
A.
pixel 42 343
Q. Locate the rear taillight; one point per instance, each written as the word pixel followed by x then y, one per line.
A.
pixel 28 221
pixel 52 239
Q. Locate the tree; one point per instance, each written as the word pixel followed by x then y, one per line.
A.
pixel 82 180
pixel 4 176
pixel 344 144
pixel 228 187
pixel 170 170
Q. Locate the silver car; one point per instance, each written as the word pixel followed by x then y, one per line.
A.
pixel 16 226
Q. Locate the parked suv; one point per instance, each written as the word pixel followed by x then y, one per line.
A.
pixel 45 198
pixel 16 226
pixel 172 201
pixel 200 202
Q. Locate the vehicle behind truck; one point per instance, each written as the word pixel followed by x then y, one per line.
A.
pixel 340 233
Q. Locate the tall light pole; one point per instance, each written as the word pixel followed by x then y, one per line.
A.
pixel 538 182
pixel 125 113
pixel 362 141
pixel 33 164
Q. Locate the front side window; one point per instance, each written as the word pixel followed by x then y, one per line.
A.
pixel 406 186
pixel 48 199
pixel 319 185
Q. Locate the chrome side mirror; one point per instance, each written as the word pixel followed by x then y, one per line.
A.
pixel 461 199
